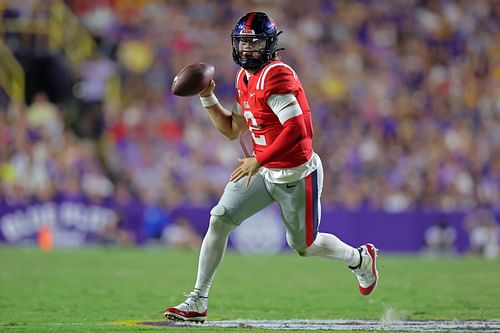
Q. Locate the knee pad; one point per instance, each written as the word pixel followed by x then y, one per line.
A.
pixel 220 219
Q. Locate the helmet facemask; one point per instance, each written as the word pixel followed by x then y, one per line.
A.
pixel 254 40
pixel 252 51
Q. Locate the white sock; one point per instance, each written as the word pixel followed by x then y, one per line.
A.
pixel 212 251
pixel 329 246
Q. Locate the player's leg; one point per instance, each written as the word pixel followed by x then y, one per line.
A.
pixel 212 250
pixel 362 261
pixel 237 203
pixel 301 210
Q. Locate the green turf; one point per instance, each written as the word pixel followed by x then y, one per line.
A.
pixel 91 290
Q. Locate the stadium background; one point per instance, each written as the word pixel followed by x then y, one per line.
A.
pixel 406 98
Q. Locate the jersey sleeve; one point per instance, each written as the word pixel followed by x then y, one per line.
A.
pixel 279 79
pixel 284 106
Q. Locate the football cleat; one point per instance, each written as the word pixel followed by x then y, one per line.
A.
pixel 366 271
pixel 193 309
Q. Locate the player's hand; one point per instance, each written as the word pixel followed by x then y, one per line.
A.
pixel 209 90
pixel 248 167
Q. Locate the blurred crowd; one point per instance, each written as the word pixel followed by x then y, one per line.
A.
pixel 405 97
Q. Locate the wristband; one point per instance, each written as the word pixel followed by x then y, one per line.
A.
pixel 209 101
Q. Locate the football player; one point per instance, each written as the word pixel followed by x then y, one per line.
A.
pixel 271 104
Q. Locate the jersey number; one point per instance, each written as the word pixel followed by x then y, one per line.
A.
pixel 258 139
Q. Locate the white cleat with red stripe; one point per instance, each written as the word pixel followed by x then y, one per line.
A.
pixel 193 309
pixel 367 271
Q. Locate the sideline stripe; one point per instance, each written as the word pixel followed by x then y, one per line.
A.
pixel 343 325
pixel 297 324
pixel 300 324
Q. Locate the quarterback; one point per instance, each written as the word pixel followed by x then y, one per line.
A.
pixel 271 104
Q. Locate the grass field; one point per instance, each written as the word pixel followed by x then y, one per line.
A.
pixel 103 289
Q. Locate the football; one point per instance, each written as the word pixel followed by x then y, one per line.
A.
pixel 192 79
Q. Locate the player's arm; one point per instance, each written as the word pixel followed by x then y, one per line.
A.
pixel 288 110
pixel 227 122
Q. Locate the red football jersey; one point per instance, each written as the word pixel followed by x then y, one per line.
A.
pixel 274 78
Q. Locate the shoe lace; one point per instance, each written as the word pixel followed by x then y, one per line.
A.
pixel 191 298
pixel 363 272
pixel 194 302
pixel 360 274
